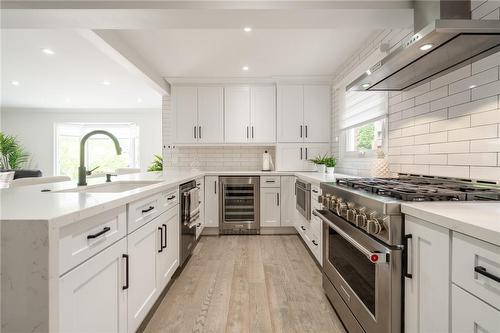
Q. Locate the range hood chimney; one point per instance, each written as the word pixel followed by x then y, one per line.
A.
pixel 444 39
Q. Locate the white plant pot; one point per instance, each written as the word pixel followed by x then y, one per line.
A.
pixel 330 171
pixel 321 168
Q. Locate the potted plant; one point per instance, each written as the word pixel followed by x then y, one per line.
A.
pixel 330 163
pixel 12 155
pixel 157 164
pixel 319 161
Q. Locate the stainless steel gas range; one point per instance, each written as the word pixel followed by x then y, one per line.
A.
pixel 364 253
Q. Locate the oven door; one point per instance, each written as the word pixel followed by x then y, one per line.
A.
pixel 303 199
pixel 365 273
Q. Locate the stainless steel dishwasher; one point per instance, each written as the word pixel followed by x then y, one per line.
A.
pixel 239 205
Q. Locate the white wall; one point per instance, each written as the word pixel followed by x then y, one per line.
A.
pixel 35 130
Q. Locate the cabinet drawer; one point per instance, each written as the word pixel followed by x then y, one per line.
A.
pixel 316 225
pixel 469 257
pixel 470 314
pixel 270 181
pixel 142 211
pixel 169 199
pixel 83 239
pixel 315 193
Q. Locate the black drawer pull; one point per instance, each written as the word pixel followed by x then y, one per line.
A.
pixel 314 242
pixel 126 271
pixel 302 227
pixel 406 257
pixel 315 191
pixel 481 270
pixel 270 181
pixel 100 233
pixel 164 246
pixel 171 197
pixel 149 209
pixel 160 229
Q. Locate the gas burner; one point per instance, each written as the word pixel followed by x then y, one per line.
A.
pixel 423 189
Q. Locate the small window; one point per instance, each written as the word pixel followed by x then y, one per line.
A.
pixel 99 150
pixel 365 138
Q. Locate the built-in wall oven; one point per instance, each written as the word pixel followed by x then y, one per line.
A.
pixel 239 205
pixel 190 215
pixel 303 198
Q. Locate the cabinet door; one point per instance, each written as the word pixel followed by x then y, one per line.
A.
pixel 167 258
pixel 212 201
pixel 290 113
pixel 290 157
pixel 270 207
pixel 311 151
pixel 91 296
pixel 470 314
pixel 210 115
pixel 289 213
pixel 143 245
pixel 237 114
pixel 263 114
pixel 427 304
pixel 317 113
pixel 185 110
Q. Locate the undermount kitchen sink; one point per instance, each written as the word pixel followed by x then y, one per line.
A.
pixel 112 187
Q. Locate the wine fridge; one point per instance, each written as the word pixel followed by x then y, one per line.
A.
pixel 239 205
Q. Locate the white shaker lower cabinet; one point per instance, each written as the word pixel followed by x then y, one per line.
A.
pixel 270 207
pixel 289 214
pixel 167 257
pixel 211 201
pixel 470 314
pixel 427 303
pixel 143 246
pixel 92 297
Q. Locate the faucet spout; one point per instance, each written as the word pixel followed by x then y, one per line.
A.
pixel 82 172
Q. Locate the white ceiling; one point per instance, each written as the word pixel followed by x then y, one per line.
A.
pixel 71 78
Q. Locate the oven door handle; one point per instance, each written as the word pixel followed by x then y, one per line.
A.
pixel 374 257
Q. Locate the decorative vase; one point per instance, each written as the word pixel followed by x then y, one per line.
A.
pixel 380 167
pixel 321 168
pixel 330 171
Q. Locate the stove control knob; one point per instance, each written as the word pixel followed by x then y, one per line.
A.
pixel 361 220
pixel 351 212
pixel 341 209
pixel 374 226
pixel 332 203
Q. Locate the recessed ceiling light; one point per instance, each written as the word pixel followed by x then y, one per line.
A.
pixel 368 72
pixel 106 83
pixel 245 68
pixel 47 51
pixel 365 85
pixel 472 86
pixel 15 83
pixel 247 29
pixel 426 47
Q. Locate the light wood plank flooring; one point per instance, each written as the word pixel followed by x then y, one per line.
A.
pixel 247 284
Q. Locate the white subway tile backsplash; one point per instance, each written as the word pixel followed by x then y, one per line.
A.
pixel 486 63
pixel 417 169
pixel 431 117
pixel 490 89
pixel 432 95
pixel 402 106
pixel 451 77
pixel 416 111
pixel 481 105
pixel 478 132
pixel 408 141
pixel 450 124
pixel 422 89
pixel 415 130
pixel 450 147
pixel 451 100
pixel 477 80
pixel 477 159
pixel 431 138
pixel 484 118
pixel 431 159
pixel 485 173
pixel 449 171
pixel 486 145
pixel 401 159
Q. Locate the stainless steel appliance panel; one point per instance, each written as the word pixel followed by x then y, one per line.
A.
pixel 190 214
pixel 303 198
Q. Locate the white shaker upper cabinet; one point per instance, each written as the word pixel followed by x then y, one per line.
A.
pixel 316 114
pixel 295 157
pixel 210 115
pixel 198 114
pixel 303 113
pixel 185 106
pixel 290 113
pixel 237 114
pixel 263 114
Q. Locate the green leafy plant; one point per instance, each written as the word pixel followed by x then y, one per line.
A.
pixel 330 162
pixel 12 154
pixel 157 164
pixel 319 159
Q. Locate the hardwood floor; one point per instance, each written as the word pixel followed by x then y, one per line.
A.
pixel 247 284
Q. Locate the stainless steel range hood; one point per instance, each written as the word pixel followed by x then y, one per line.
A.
pixel 446 39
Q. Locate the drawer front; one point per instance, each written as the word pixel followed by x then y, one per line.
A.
pixel 470 258
pixel 316 225
pixel 270 181
pixel 169 199
pixel 470 314
pixel 314 242
pixel 84 239
pixel 142 211
pixel 315 193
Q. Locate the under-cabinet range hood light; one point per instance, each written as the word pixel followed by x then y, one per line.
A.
pixel 445 39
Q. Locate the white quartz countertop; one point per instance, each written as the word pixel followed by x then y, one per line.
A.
pixel 30 203
pixel 477 219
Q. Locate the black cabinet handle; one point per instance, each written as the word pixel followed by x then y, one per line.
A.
pixel 315 191
pixel 406 257
pixel 269 181
pixel 171 197
pixel 277 199
pixel 481 270
pixel 125 256
pixel 301 153
pixel 199 132
pixel 314 242
pixel 247 132
pixel 302 227
pixel 160 229
pixel 215 187
pixel 165 237
pixel 194 131
pixel 306 131
pixel 148 209
pixel 252 133
pixel 100 233
pixel 300 130
pixel 306 153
